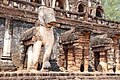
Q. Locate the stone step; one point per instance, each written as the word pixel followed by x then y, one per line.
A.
pixel 24 75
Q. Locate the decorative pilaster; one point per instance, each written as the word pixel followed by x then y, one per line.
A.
pixel 89 6
pixel 42 2
pixel 7 39
pixel 53 3
pixel 66 4
pixel 6 56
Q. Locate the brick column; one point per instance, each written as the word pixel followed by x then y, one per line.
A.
pixel 62 58
pixel 86 50
pixel 74 57
pixel 86 58
pixel 71 59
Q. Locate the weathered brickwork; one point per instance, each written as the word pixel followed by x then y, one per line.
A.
pixel 78 54
pixel 57 76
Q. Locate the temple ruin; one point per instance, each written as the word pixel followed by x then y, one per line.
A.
pixel 86 42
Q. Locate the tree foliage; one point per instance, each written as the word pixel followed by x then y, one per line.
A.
pixel 111 9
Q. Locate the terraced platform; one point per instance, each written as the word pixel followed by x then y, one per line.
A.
pixel 58 76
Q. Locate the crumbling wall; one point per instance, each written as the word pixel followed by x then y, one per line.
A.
pixel 74 56
pixel 18 28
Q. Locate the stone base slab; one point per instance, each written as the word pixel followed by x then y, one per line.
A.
pixel 24 75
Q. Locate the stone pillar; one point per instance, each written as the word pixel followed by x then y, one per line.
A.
pixel 93 13
pixel 6 56
pixel 110 56
pixel 66 5
pixel 89 3
pixel 42 2
pixel 89 6
pixel 103 61
pixel 47 2
pixel 7 39
pixel 53 3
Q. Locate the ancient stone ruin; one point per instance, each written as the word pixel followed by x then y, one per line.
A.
pixel 86 46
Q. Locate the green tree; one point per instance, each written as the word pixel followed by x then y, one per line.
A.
pixel 111 9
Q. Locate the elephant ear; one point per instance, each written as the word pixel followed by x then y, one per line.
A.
pixel 28 34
